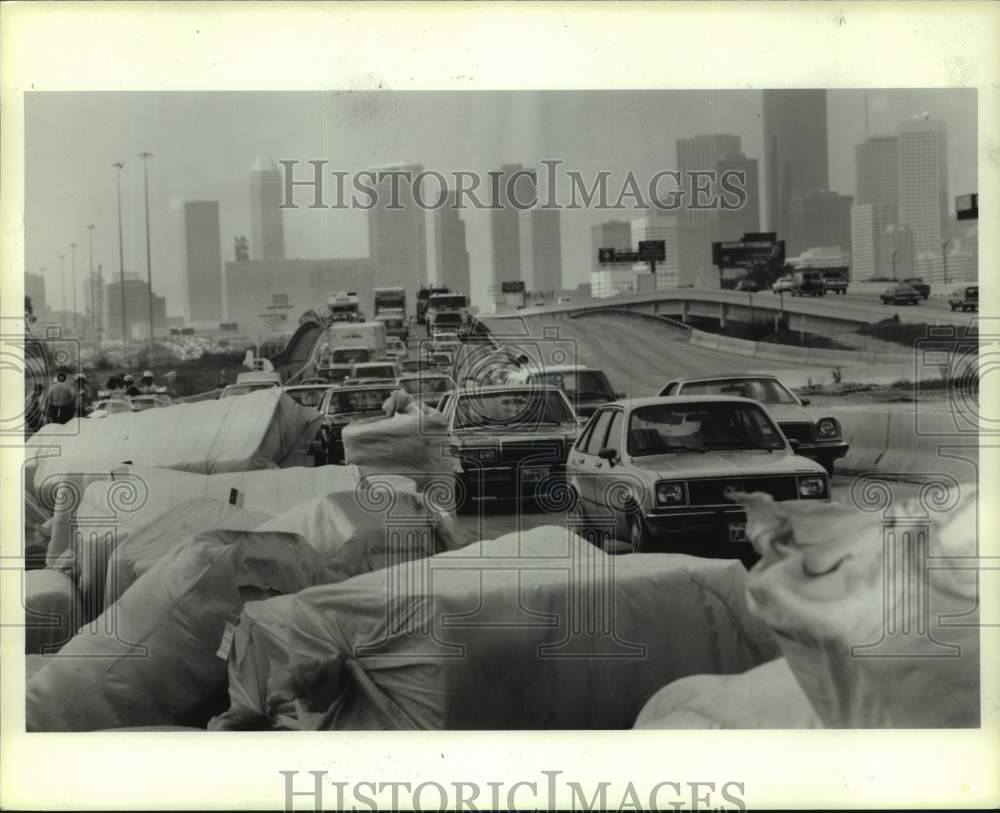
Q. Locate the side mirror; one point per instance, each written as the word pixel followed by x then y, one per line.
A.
pixel 805 401
pixel 608 454
pixel 794 443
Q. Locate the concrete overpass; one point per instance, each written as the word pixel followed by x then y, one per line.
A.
pixel 829 314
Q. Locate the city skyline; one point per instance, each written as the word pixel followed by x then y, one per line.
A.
pixel 218 135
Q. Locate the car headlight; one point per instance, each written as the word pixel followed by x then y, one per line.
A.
pixel 668 494
pixel 477 454
pixel 812 487
pixel 827 428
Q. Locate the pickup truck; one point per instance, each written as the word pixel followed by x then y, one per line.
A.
pixel 808 283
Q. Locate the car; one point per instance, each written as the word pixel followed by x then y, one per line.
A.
pixel 342 406
pixel 321 381
pixel 660 472
pixel 140 403
pixel 445 336
pixel 808 283
pixel 966 298
pixel 110 406
pixel 511 442
pixel 374 371
pixel 307 395
pixel 900 295
pixel 426 387
pixel 919 286
pixel 586 389
pixel 783 284
pixel 813 434
pixel 395 348
pixel 835 280
pixel 746 285
pixel 415 365
pixel 438 360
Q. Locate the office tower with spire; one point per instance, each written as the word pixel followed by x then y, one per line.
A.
pixel 267 226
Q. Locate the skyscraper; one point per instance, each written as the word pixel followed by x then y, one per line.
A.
pixel 505 229
pixel 544 250
pixel 868 224
pixel 876 171
pixel 608 280
pixel 734 223
pixel 795 151
pixel 267 226
pixel 397 230
pixel 819 219
pixel 34 287
pixel 450 247
pixel 204 262
pixel 697 229
pixel 657 226
pixel 923 182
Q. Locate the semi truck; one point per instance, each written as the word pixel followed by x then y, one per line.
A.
pixel 423 299
pixel 344 345
pixel 389 299
pixel 448 313
pixel 345 307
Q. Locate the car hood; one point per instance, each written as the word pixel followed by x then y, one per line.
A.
pixel 725 464
pixel 783 413
pixel 493 435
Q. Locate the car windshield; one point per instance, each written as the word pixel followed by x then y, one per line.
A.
pixel 426 386
pixel 351 355
pixel 343 402
pixel 580 383
pixel 307 397
pixel 375 371
pixel 511 407
pixel 700 427
pixel 765 390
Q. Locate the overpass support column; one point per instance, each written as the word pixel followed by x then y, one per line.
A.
pixel 685 305
pixel 723 311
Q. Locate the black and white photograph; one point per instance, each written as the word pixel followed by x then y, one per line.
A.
pixel 648 412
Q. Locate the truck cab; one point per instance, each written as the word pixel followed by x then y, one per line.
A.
pixel 808 283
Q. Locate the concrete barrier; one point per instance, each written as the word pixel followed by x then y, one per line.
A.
pixel 708 341
pixel 868 436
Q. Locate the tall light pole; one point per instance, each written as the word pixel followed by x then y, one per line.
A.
pixel 145 156
pixel 894 252
pixel 93 296
pixel 944 260
pixel 72 279
pixel 62 282
pixel 121 258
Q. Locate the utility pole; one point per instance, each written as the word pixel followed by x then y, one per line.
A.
pixel 119 165
pixel 72 277
pixel 93 296
pixel 894 265
pixel 145 156
pixel 62 278
pixel 944 260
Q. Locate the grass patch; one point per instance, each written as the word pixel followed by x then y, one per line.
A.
pixel 762 330
pixel 907 335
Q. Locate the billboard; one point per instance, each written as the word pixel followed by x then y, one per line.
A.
pixel 753 249
pixel 512 287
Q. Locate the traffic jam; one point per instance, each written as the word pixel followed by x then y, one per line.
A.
pixel 292 549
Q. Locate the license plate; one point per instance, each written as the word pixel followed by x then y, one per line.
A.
pixel 534 475
pixel 738 532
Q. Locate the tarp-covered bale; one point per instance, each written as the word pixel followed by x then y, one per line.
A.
pixel 144 547
pixel 533 630
pixel 877 610
pixel 414 444
pixel 53 610
pixel 767 696
pixel 132 496
pixel 260 430
pixel 358 531
pixel 158 656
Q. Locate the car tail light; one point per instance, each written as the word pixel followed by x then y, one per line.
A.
pixel 668 494
pixel 827 428
pixel 812 487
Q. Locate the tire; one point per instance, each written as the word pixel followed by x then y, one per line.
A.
pixel 638 533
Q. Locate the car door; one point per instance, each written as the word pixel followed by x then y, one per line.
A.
pixel 584 456
pixel 597 468
pixel 609 474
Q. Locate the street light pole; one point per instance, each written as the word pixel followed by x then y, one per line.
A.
pixel 893 265
pixel 121 260
pixel 72 278
pixel 145 156
pixel 93 295
pixel 944 259
pixel 62 282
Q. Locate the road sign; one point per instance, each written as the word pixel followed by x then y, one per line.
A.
pixel 967 207
pixel 606 256
pixel 652 250
pixel 512 287
pixel 753 249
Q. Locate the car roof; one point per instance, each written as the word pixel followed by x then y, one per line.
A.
pixel 355 387
pixel 654 400
pixel 723 377
pixel 507 388
pixel 315 386
pixel 562 368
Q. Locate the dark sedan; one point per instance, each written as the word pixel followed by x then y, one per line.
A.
pixel 900 295
pixel 342 406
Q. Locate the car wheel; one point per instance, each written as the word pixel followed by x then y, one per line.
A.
pixel 638 535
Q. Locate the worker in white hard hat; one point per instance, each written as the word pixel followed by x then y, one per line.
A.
pixel 146 385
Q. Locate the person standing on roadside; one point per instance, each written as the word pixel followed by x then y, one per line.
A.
pixel 34 409
pixel 62 400
pixel 82 394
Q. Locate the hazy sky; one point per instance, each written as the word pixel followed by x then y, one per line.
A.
pixel 204 144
